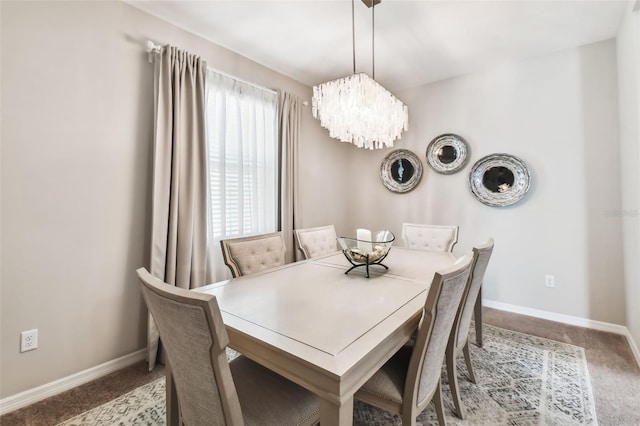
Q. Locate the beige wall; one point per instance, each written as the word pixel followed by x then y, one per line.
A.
pixel 628 47
pixel 77 99
pixel 559 114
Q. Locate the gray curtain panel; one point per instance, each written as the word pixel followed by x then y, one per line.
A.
pixel 289 116
pixel 179 226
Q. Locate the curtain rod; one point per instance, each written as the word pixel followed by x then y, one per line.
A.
pixel 153 48
pixel 243 81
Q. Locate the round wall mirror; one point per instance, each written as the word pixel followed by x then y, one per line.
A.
pixel 447 153
pixel 499 180
pixel 401 170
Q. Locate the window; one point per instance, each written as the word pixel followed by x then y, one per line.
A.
pixel 243 157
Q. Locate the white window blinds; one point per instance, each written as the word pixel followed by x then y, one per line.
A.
pixel 243 157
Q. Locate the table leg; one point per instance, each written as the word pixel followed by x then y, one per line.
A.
pixel 173 414
pixel 478 318
pixel 332 414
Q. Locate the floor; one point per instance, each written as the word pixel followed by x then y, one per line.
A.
pixel 615 376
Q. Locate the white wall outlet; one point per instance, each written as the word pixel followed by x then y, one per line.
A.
pixel 28 340
pixel 549 281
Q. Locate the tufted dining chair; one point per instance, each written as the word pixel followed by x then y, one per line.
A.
pixel 410 380
pixel 429 237
pixel 318 241
pixel 250 255
pixel 210 390
pixel 459 337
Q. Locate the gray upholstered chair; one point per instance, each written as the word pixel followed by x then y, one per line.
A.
pixel 459 337
pixel 429 237
pixel 315 242
pixel 250 255
pixel 410 380
pixel 211 390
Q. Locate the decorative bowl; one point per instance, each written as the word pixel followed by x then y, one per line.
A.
pixel 360 252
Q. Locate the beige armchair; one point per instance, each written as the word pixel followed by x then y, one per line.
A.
pixel 210 390
pixel 459 337
pixel 410 380
pixel 429 237
pixel 250 255
pixel 315 242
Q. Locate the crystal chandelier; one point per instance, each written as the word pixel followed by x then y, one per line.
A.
pixel 357 108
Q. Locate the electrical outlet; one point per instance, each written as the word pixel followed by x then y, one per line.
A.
pixel 29 340
pixel 549 281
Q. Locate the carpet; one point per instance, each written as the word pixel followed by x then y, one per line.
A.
pixel 522 380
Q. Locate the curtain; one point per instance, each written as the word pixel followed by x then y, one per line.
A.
pixel 289 116
pixel 179 224
pixel 242 141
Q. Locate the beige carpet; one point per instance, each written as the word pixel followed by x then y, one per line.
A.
pixel 522 380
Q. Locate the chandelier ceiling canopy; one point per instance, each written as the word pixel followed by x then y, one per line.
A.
pixel 357 109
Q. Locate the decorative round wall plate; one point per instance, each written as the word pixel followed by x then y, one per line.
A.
pixel 499 180
pixel 447 153
pixel 401 170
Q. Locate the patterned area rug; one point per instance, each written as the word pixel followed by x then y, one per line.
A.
pixel 523 380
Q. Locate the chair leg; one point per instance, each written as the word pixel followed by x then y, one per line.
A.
pixel 467 360
pixel 453 382
pixel 478 317
pixel 437 400
pixel 408 419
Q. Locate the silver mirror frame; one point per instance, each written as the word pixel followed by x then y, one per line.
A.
pixel 521 183
pixel 447 139
pixel 387 177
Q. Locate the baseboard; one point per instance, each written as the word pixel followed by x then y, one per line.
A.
pixel 568 319
pixel 634 347
pixel 31 396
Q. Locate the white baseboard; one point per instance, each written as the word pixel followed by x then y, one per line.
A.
pixel 31 396
pixel 568 319
pixel 634 347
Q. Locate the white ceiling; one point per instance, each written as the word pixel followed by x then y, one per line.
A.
pixel 416 42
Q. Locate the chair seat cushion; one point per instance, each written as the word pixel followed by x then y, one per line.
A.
pixel 267 398
pixel 388 382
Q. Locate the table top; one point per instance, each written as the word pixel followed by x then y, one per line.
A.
pixel 313 312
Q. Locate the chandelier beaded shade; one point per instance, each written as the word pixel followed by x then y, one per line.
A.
pixel 357 109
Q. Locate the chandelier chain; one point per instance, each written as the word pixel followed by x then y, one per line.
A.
pixel 373 40
pixel 353 33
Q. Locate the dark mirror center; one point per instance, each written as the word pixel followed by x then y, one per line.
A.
pixel 402 170
pixel 447 154
pixel 498 179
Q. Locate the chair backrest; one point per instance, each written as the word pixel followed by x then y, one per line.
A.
pixel 439 314
pixel 315 242
pixel 481 256
pixel 194 337
pixel 250 255
pixel 429 237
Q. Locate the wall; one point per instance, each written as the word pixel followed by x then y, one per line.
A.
pixel 559 114
pixel 628 49
pixel 77 100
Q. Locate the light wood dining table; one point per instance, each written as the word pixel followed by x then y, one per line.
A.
pixel 323 329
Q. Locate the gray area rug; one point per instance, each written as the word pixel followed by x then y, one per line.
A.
pixel 523 380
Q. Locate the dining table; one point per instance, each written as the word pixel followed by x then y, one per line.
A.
pixel 325 330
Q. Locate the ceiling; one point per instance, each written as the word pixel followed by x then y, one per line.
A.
pixel 416 42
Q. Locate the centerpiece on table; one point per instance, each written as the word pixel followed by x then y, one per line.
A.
pixel 367 248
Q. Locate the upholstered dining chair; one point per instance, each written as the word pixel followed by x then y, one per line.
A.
pixel 429 237
pixel 459 337
pixel 410 380
pixel 250 255
pixel 211 390
pixel 318 241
